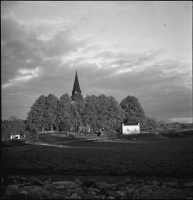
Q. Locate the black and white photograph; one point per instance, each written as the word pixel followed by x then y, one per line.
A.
pixel 96 100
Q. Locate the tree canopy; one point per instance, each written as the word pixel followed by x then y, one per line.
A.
pixel 13 126
pixel 99 112
pixel 134 112
pixel 43 113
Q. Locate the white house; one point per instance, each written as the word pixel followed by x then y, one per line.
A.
pixel 130 128
pixel 14 136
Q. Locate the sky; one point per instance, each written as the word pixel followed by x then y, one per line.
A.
pixel 119 48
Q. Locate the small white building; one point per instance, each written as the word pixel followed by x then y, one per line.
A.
pixel 130 128
pixel 14 136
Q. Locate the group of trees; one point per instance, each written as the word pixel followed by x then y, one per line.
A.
pixel 99 112
pixel 13 126
pixel 95 112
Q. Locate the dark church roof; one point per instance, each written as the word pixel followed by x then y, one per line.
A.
pixel 76 87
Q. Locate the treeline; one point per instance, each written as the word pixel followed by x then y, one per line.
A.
pixel 13 126
pixel 99 112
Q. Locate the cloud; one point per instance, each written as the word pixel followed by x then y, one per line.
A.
pixel 163 87
pixel 182 120
pixel 39 56
pixel 27 45
pixel 24 75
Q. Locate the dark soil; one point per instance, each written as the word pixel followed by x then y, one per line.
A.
pixel 171 158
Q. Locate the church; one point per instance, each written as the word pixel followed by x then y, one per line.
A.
pixel 76 87
pixel 125 128
pixel 76 90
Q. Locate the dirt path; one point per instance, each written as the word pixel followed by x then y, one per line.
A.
pixel 104 139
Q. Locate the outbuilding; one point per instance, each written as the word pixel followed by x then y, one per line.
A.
pixel 130 128
pixel 14 136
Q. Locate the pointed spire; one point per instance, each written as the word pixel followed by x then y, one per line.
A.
pixel 76 87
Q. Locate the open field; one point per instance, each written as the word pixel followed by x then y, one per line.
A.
pixel 153 158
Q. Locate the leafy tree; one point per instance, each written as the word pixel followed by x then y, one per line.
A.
pixel 12 126
pixel 43 113
pixel 37 116
pixel 64 114
pixel 51 103
pixel 110 113
pixel 161 124
pixel 115 113
pixel 186 125
pixel 134 113
pixel 151 121
pixel 79 102
pixel 6 129
pixel 90 112
pixel 102 112
pixel 77 110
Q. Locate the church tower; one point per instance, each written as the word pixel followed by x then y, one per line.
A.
pixel 76 87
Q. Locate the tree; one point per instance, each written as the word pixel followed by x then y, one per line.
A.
pixel 64 114
pixel 13 119
pixel 186 125
pixel 115 113
pixel 110 113
pixel 97 112
pixel 6 129
pixel 163 124
pixel 89 115
pixel 102 112
pixel 151 122
pixel 134 113
pixel 12 126
pixel 77 110
pixel 37 116
pixel 51 103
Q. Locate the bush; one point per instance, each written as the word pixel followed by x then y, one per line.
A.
pixel 110 133
pixel 175 134
pixel 72 136
pixel 127 137
pixel 188 132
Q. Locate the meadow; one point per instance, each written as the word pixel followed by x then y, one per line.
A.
pixel 148 157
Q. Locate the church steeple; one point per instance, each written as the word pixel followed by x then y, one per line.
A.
pixel 76 87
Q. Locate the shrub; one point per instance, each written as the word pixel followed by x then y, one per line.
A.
pixel 127 137
pixel 175 134
pixel 110 133
pixel 72 136
pixel 188 132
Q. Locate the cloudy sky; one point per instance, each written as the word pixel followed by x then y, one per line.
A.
pixel 119 48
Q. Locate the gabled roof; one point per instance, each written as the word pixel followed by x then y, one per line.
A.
pixel 130 124
pixel 76 86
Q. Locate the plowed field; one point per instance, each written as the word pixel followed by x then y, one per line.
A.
pixel 158 158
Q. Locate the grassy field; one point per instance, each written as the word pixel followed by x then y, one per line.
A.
pixel 152 157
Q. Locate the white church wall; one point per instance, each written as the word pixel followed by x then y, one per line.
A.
pixel 130 129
